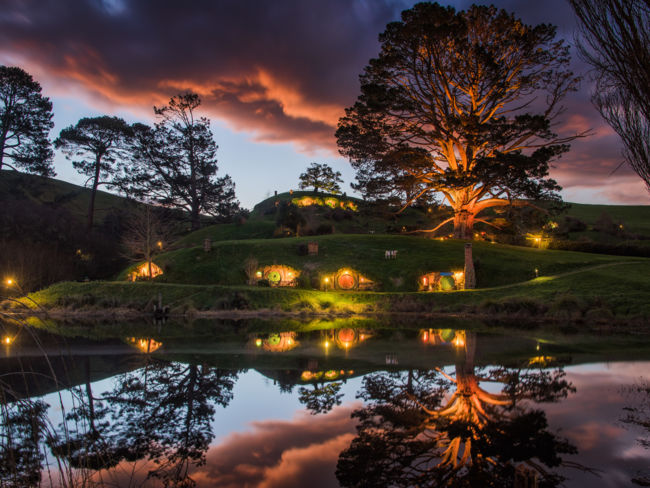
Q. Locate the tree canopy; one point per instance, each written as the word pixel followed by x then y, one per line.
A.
pixel 25 123
pixel 616 42
pixel 175 164
pixel 94 145
pixel 321 176
pixel 460 103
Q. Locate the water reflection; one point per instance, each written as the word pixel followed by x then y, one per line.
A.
pixel 440 418
pixel 430 428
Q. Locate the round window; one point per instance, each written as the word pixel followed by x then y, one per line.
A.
pixel 274 277
pixel 346 281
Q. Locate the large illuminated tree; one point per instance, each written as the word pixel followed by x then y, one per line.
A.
pixel 460 103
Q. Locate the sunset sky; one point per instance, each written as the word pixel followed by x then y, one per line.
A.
pixel 274 77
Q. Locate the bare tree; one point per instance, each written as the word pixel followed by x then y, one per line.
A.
pixel 616 42
pixel 146 235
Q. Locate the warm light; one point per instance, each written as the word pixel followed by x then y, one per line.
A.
pixel 425 336
pixel 9 282
pixel 7 340
pixel 458 275
pixel 289 341
pixel 159 243
pixel 327 280
pixel 258 342
pixel 537 347
pixel 289 275
pixel 258 274
pixel 327 344
pixel 458 341
pixel 145 345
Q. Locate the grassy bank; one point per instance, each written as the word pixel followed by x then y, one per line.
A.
pixel 609 291
pixel 496 264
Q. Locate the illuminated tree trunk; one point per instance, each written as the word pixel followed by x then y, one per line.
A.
pixel 463 224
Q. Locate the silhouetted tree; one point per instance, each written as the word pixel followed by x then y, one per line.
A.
pixel 175 163
pixel 93 145
pixel 460 103
pixel 321 176
pixel 616 42
pixel 25 123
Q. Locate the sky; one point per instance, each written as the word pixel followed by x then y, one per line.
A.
pixel 274 78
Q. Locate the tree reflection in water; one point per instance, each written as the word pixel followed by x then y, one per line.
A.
pixel 164 412
pixel 415 431
pixel 161 413
pixel 24 428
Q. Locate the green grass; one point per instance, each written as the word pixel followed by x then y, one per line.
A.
pixel 611 290
pixel 252 229
pixel 495 264
pixel 636 218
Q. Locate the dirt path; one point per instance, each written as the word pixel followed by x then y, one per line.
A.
pixel 561 275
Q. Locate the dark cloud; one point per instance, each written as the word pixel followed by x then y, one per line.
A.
pixel 280 71
pixel 283 70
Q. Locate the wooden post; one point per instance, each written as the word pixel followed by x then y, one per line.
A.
pixel 470 275
pixel 207 245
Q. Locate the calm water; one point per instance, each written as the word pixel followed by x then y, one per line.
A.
pixel 321 404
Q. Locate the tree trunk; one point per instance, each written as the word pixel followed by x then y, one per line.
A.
pixel 463 224
pixel 91 205
pixel 195 219
pixel 2 148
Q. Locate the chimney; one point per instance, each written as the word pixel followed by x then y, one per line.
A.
pixel 470 275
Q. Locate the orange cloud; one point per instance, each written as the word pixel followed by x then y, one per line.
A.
pixel 300 452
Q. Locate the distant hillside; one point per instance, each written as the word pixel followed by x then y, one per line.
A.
pixel 333 214
pixel 43 235
pixel 57 194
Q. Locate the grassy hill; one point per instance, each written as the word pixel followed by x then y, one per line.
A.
pixel 496 264
pixel 58 194
pixel 635 218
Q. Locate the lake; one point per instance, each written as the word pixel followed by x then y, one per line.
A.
pixel 322 403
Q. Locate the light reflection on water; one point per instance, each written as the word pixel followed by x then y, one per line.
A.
pixel 274 409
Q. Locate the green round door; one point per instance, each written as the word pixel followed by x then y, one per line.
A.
pixel 274 277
